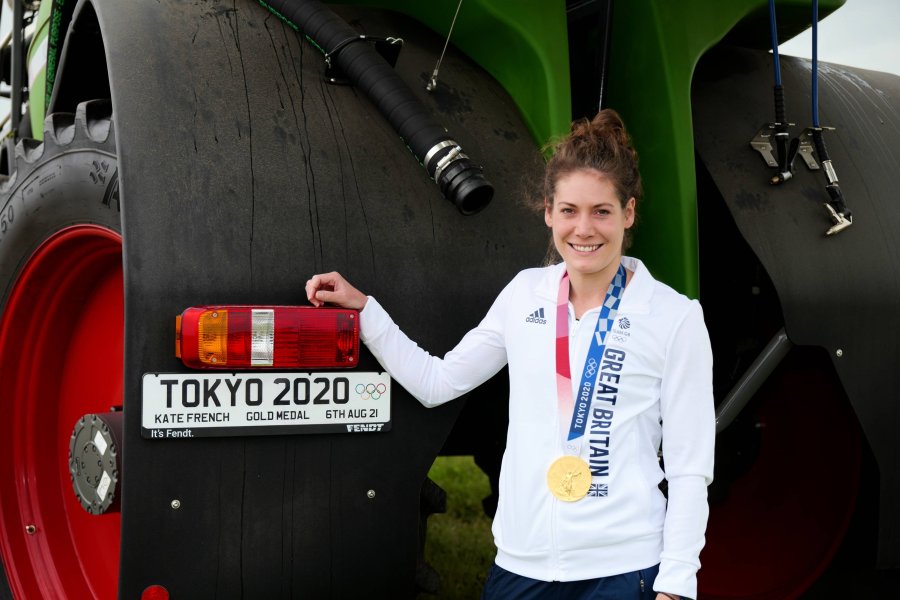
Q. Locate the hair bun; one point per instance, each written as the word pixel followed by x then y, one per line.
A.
pixel 601 143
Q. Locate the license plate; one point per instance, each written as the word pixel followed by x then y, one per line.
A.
pixel 178 405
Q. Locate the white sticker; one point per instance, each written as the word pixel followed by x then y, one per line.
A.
pixel 103 488
pixel 100 443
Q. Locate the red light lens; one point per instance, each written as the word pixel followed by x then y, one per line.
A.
pixel 155 592
pixel 267 337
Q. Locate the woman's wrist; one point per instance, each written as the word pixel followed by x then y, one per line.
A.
pixel 669 596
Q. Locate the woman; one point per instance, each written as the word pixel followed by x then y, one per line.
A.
pixel 580 512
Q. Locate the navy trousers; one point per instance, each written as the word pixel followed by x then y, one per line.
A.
pixel 504 585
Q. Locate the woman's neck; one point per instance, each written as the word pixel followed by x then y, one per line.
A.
pixel 588 290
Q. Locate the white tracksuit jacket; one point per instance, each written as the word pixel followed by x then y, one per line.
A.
pixel 660 346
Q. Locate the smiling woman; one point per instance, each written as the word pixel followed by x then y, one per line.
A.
pixel 576 471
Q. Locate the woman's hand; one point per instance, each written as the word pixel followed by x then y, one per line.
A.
pixel 334 289
pixel 664 596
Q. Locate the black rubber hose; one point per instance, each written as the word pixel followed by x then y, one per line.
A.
pixel 779 105
pixel 782 138
pixel 459 179
pixel 819 142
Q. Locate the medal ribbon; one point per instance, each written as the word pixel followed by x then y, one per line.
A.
pixel 605 319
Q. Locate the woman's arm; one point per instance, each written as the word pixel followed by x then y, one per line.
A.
pixel 688 421
pixel 431 380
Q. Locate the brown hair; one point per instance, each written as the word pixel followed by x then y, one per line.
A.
pixel 604 145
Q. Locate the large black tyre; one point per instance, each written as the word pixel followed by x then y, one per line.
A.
pixel 61 346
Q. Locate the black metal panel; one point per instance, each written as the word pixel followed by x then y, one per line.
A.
pixel 242 173
pixel 839 292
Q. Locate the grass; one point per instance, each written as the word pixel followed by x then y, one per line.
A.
pixel 459 544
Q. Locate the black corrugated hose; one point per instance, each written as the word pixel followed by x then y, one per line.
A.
pixel 459 179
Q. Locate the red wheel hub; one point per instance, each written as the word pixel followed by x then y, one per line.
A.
pixel 61 341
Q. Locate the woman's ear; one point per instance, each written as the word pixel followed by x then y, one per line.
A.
pixel 548 213
pixel 629 212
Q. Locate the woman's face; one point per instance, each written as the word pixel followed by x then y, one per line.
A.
pixel 588 221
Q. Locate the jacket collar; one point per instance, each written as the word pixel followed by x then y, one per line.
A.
pixel 637 294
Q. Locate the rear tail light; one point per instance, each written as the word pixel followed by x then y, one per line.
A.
pixel 267 337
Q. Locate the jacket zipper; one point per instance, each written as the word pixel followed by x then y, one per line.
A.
pixel 554 551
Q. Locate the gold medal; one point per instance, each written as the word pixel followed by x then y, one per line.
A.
pixel 569 478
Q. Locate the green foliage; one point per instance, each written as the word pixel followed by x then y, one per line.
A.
pixel 459 544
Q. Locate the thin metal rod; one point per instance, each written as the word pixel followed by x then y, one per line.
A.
pixel 16 56
pixel 432 84
pixel 752 379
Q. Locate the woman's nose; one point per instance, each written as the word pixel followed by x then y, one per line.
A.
pixel 583 226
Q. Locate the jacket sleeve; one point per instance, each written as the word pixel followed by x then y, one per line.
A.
pixel 688 421
pixel 432 380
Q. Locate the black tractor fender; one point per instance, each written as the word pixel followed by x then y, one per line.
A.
pixel 838 292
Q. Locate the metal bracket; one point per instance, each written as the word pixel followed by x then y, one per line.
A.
pixel 762 143
pixel 807 149
pixel 808 146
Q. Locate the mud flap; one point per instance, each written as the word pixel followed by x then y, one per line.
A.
pixel 840 292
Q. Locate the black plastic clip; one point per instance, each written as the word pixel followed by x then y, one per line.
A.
pixel 786 147
pixel 389 49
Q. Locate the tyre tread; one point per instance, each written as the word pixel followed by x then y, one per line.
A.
pixel 29 150
pixel 92 123
pixel 95 118
pixel 59 128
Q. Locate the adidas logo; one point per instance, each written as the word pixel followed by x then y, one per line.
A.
pixel 536 317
